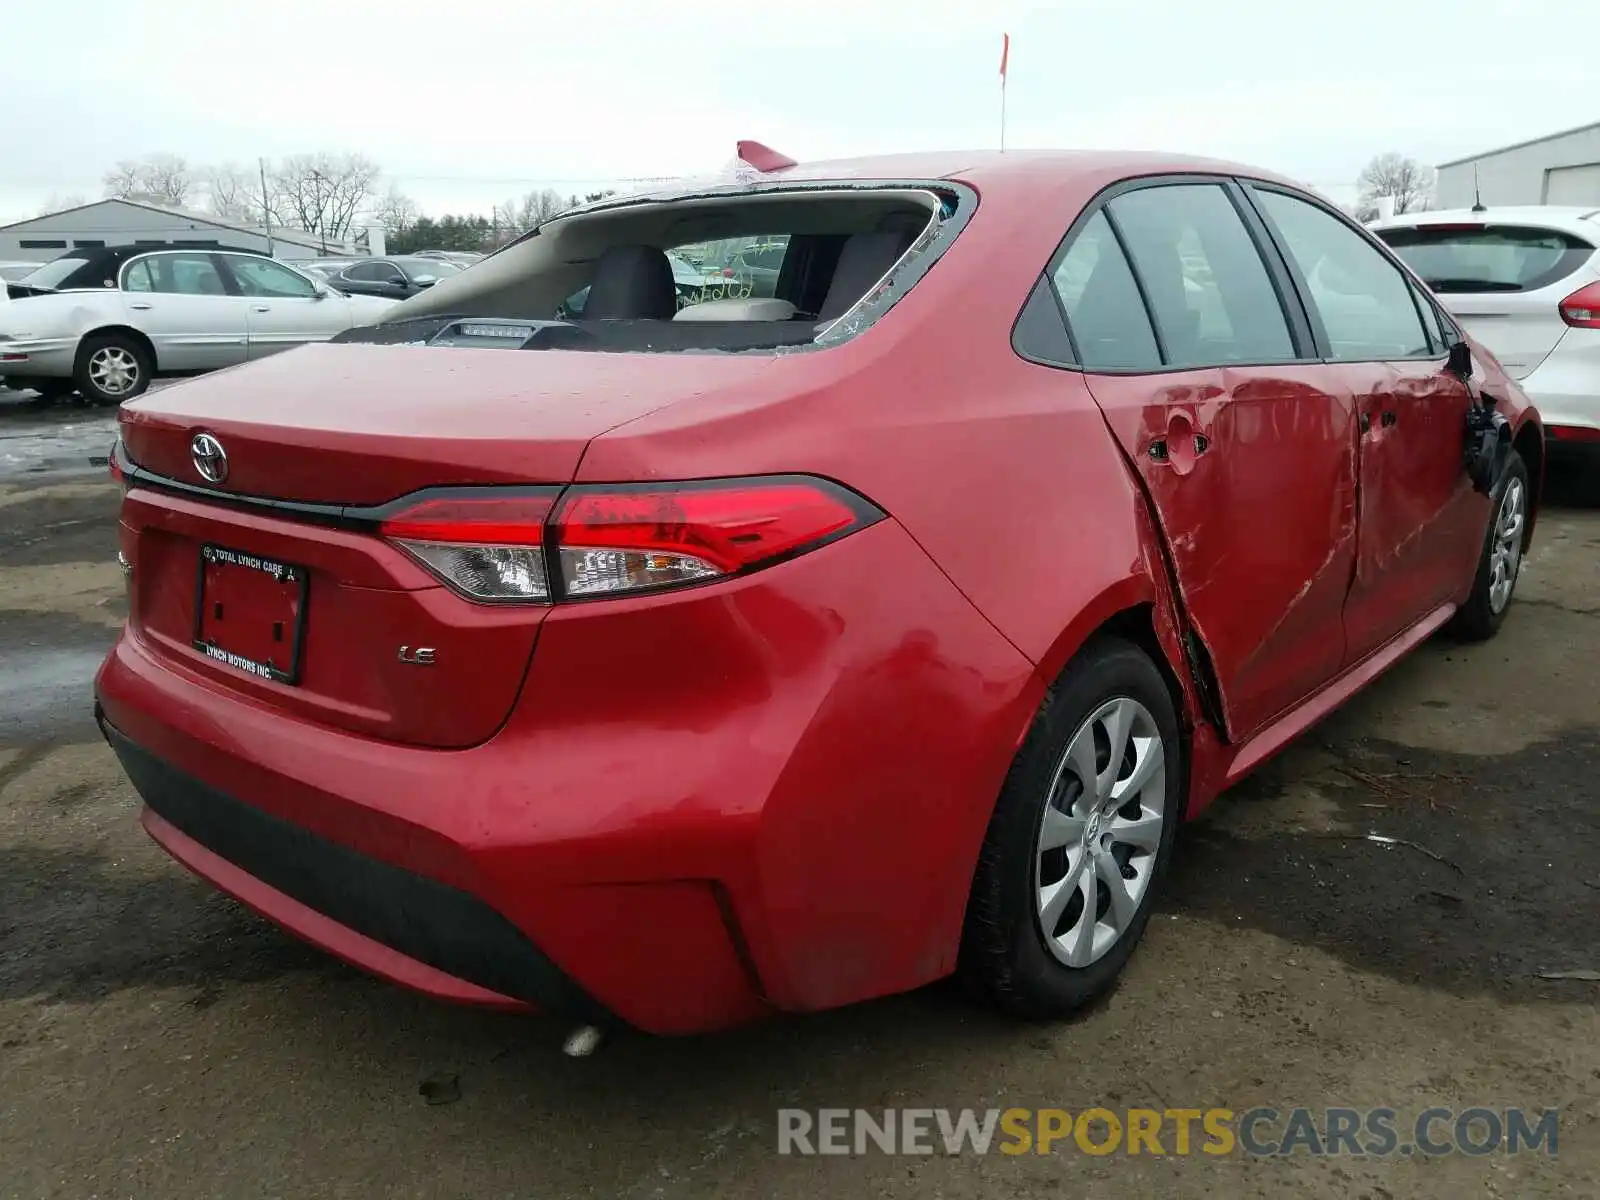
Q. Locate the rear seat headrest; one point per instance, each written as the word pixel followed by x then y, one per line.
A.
pixel 632 283
pixel 864 260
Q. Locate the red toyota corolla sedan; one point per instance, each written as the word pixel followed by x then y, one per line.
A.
pixel 561 645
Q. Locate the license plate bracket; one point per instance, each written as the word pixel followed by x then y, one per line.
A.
pixel 250 612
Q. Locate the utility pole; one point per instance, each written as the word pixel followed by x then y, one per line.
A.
pixel 266 205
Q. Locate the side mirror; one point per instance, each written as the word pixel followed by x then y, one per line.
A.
pixel 1459 363
pixel 425 281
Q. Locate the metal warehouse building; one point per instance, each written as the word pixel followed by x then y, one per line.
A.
pixel 1563 168
pixel 133 222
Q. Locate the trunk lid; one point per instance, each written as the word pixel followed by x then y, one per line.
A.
pixel 360 424
pixel 370 641
pixel 1519 329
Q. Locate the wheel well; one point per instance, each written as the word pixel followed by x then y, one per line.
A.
pixel 127 331
pixel 1137 625
pixel 1529 443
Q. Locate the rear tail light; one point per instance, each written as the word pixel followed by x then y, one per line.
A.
pixel 487 547
pixel 598 541
pixel 1581 310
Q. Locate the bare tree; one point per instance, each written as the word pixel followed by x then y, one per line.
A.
pixel 156 179
pixel 122 180
pixel 59 203
pixel 321 193
pixel 234 194
pixel 538 207
pixel 396 212
pixel 1393 174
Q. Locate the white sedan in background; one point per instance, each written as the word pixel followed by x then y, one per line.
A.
pixel 1525 282
pixel 105 322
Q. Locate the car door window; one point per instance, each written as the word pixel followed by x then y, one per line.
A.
pixel 264 279
pixel 371 272
pixel 1213 299
pixel 179 274
pixel 1105 314
pixel 137 277
pixel 1365 302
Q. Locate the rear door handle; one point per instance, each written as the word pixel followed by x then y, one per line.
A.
pixel 140 305
pixel 262 308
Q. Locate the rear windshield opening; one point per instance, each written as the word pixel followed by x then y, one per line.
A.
pixel 1488 258
pixel 740 272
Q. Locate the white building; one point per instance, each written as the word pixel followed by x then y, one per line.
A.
pixel 133 222
pixel 1563 168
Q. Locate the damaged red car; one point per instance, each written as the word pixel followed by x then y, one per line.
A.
pixel 565 643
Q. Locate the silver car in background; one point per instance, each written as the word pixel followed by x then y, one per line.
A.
pixel 105 322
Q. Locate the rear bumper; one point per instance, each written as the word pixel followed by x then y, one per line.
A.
pixel 780 809
pixel 405 927
pixel 41 359
pixel 1565 387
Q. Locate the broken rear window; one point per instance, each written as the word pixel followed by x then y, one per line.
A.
pixel 733 270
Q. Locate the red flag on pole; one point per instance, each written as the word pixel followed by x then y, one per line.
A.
pixel 1005 53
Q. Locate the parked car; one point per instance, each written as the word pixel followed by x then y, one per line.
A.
pixel 461 258
pixel 105 322
pixel 395 278
pixel 325 268
pixel 674 668
pixel 1524 281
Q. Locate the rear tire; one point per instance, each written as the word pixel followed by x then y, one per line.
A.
pixel 1070 825
pixel 1500 561
pixel 111 368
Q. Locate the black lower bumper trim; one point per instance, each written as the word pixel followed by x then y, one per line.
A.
pixel 421 918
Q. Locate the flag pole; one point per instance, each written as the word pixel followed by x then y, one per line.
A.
pixel 1005 53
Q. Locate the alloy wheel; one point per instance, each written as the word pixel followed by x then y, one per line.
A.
pixel 1101 832
pixel 1505 552
pixel 113 370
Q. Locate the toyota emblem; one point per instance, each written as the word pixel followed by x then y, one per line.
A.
pixel 210 459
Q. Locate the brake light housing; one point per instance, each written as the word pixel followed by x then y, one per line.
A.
pixel 1581 310
pixel 596 541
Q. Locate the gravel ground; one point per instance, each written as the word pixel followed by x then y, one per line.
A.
pixel 158 1040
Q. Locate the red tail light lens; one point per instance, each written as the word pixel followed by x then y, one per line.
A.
pixel 609 541
pixel 1581 310
pixel 487 547
pixel 629 539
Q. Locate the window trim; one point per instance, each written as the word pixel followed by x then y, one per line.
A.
pixel 1301 335
pixel 229 287
pixel 231 281
pixel 1414 286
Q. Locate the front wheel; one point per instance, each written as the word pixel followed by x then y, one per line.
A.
pixel 111 368
pixel 1500 560
pixel 1080 837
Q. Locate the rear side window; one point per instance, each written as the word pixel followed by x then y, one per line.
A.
pixel 1432 321
pixel 1488 258
pixel 1104 311
pixel 1364 300
pixel 1213 300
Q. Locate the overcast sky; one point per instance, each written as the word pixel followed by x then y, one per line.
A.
pixel 464 104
